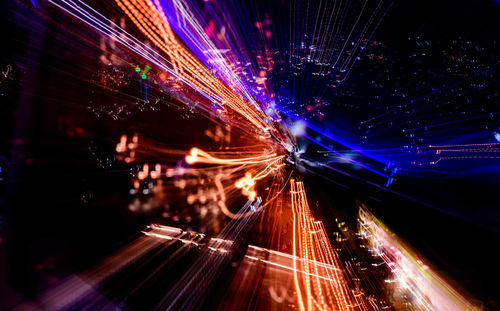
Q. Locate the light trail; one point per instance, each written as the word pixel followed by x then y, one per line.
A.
pixel 411 282
pixel 311 243
pixel 82 289
pixel 150 19
pixel 272 162
pixel 189 291
pixel 321 280
pixel 179 62
pixel 217 173
pixel 199 156
pixel 273 276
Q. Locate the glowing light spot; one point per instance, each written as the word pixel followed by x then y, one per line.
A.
pixel 192 157
pixel 497 136
pixel 298 128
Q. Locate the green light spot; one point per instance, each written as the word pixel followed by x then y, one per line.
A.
pixel 143 75
pixel 147 68
pixel 137 69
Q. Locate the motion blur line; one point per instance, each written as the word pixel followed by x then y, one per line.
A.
pixel 199 156
pixel 150 19
pixel 431 292
pixel 271 162
pixel 311 243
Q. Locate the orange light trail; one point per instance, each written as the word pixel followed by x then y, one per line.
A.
pixel 311 243
pixel 149 17
pixel 272 162
pixel 197 155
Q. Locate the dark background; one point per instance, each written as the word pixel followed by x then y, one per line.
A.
pixel 61 208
